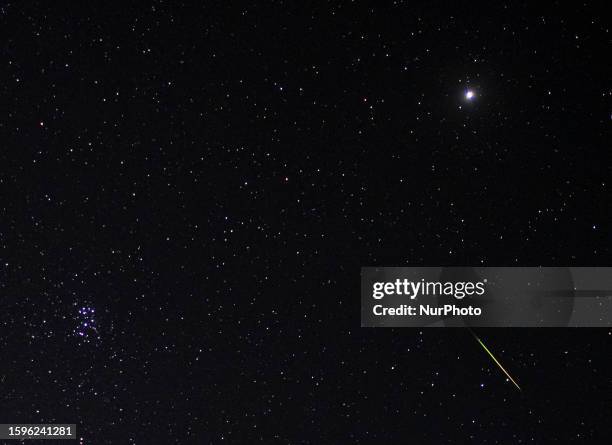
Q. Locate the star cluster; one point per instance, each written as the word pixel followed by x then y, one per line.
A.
pixel 86 328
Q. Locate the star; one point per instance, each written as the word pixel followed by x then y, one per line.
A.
pixel 469 95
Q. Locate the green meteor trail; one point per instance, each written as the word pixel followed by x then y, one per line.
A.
pixel 495 360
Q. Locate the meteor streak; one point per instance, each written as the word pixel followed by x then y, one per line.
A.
pixel 495 360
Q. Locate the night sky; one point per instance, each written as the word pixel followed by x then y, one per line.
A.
pixel 189 193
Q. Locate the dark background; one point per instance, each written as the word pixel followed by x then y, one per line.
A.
pixel 208 181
